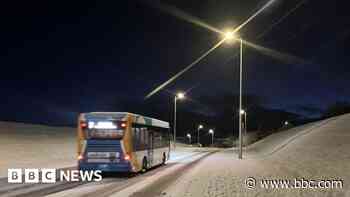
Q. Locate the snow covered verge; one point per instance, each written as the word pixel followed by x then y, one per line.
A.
pixel 315 152
pixel 36 146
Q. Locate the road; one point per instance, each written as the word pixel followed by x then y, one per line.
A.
pixel 180 160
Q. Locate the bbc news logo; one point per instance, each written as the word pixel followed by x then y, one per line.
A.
pixel 35 175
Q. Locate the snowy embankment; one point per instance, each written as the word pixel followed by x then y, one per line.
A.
pixel 317 151
pixel 36 146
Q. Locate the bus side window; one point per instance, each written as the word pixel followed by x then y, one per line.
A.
pixel 166 137
pixel 158 137
pixel 136 139
pixel 146 138
pixel 143 138
pixel 141 143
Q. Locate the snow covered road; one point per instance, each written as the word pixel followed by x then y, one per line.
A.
pixel 121 183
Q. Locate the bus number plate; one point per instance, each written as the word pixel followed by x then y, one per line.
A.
pixel 103 154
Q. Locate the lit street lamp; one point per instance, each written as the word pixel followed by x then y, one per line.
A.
pixel 179 96
pixel 243 112
pixel 229 36
pixel 286 123
pixel 189 137
pixel 211 131
pixel 199 128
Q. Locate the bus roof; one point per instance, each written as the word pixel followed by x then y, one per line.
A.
pixel 139 119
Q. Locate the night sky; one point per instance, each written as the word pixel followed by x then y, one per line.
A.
pixel 60 58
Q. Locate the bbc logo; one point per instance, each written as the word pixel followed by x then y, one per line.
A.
pixel 31 175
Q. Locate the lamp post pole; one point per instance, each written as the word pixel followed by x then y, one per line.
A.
pixel 240 99
pixel 198 136
pixel 231 36
pixel 199 128
pixel 175 122
pixel 211 131
pixel 189 137
pixel 245 123
pixel 180 96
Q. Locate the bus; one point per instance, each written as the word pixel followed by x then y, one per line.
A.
pixel 121 142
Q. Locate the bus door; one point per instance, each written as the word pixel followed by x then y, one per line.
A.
pixel 150 148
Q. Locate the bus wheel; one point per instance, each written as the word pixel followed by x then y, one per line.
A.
pixel 164 159
pixel 144 164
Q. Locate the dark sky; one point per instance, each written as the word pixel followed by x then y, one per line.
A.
pixel 59 58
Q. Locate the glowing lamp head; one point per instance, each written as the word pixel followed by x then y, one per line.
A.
pixel 242 111
pixel 200 127
pixel 80 157
pixel 229 35
pixel 188 135
pixel 211 131
pixel 180 95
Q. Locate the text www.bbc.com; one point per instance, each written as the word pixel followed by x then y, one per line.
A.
pixel 252 183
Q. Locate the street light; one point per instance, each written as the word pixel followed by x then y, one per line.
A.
pixel 189 137
pixel 243 112
pixel 286 123
pixel 229 36
pixel 199 128
pixel 179 96
pixel 211 131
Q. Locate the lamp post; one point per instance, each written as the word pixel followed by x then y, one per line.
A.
pixel 199 128
pixel 189 137
pixel 211 131
pixel 230 35
pixel 243 112
pixel 179 96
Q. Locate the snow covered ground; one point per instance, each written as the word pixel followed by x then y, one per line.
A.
pixel 36 146
pixel 318 151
